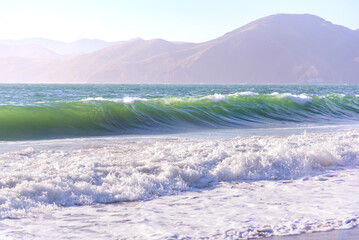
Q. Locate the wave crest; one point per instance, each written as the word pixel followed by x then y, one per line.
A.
pixel 132 115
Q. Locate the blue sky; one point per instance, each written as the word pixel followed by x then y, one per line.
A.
pixel 175 20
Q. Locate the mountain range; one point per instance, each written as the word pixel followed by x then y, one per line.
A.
pixel 51 49
pixel 283 49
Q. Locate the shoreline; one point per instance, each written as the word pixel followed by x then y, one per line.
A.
pixel 338 234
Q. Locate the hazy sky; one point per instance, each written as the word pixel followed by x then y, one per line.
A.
pixel 176 20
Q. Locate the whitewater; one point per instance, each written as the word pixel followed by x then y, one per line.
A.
pixel 177 162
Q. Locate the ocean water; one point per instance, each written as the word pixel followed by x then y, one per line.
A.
pixel 177 161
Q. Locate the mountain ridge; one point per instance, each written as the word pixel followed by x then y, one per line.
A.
pixel 76 47
pixel 282 48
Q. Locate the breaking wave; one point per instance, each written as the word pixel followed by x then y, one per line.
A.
pixel 131 115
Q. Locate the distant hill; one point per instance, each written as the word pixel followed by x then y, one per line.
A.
pixel 61 48
pixel 283 48
pixel 31 51
pixel 280 49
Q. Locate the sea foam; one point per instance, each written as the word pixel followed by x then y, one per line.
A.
pixel 36 179
pixel 125 100
pixel 300 99
pixel 215 98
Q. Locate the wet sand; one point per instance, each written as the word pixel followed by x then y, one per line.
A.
pixel 347 234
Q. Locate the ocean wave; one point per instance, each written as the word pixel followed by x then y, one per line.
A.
pixel 215 98
pixel 300 99
pixel 34 180
pixel 125 100
pixel 134 115
pixel 244 94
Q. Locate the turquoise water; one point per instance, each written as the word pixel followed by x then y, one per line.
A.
pixel 60 111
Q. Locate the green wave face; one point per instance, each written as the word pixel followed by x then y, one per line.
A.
pixel 95 117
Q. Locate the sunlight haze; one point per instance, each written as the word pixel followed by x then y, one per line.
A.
pixel 193 21
pixel 179 119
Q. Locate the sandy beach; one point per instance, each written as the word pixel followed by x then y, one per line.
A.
pixel 345 234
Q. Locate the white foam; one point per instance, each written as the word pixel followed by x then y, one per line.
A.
pixel 137 170
pixel 216 98
pixel 125 100
pixel 300 99
pixel 247 94
pixel 95 99
pixel 129 100
pixel 238 210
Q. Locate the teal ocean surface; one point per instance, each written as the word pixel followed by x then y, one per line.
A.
pixel 60 111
